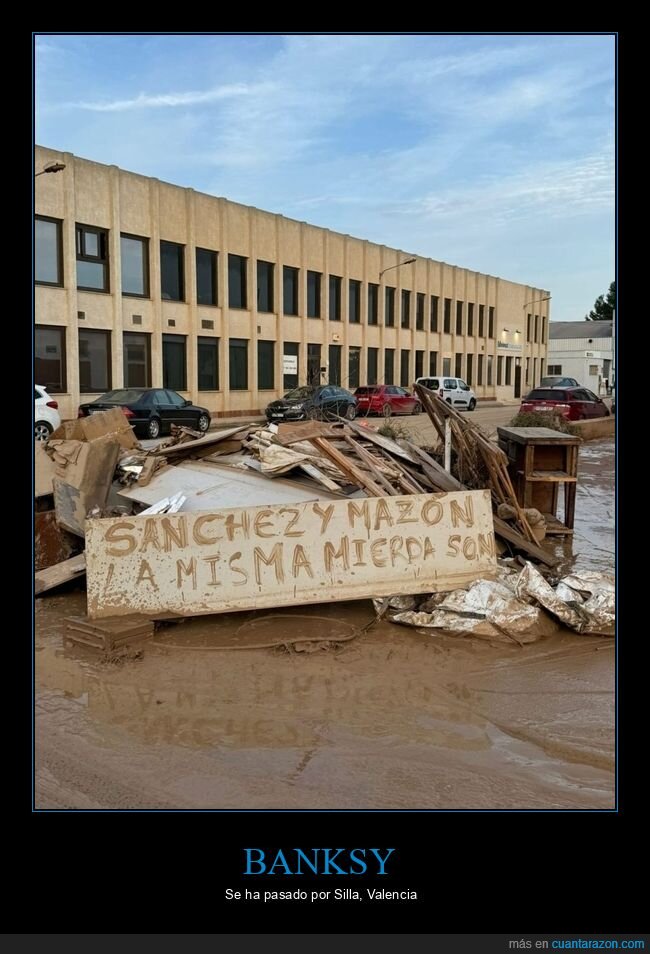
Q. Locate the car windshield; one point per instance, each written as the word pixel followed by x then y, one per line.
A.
pixel 299 394
pixel 125 396
pixel 540 394
pixel 366 390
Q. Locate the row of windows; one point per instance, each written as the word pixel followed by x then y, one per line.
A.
pixel 95 363
pixel 533 328
pixel 93 275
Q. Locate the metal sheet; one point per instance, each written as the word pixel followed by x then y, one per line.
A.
pixel 207 485
pixel 219 561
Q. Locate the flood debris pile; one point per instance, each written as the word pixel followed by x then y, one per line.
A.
pixel 257 516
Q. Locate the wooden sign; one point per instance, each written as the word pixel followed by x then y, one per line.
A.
pixel 219 562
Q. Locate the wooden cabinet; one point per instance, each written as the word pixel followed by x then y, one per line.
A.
pixel 541 460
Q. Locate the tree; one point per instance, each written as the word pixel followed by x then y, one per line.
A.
pixel 603 309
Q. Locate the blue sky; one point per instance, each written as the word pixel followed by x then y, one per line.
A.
pixel 491 152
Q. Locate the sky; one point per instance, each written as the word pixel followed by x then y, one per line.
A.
pixel 492 152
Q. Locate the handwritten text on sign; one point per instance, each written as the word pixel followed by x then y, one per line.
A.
pixel 216 562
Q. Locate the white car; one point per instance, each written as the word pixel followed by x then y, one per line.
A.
pixel 452 390
pixel 46 414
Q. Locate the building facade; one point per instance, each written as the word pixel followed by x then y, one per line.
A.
pixel 583 350
pixel 141 283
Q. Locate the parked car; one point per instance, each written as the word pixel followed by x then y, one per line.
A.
pixel 558 381
pixel 151 411
pixel 386 399
pixel 327 400
pixel 452 390
pixel 575 404
pixel 46 414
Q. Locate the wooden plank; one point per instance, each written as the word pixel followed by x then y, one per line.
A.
pixel 370 461
pixel 384 442
pixel 507 532
pixel 434 470
pixel 60 573
pixel 188 447
pixel 550 475
pixel 305 430
pixel 347 467
pixel 532 435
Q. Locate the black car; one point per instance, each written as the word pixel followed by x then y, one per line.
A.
pixel 316 403
pixel 151 410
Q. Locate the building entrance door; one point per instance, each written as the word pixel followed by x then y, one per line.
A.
pixel 517 377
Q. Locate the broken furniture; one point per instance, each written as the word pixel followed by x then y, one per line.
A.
pixel 540 461
pixel 109 635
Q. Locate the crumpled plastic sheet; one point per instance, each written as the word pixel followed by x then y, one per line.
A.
pixel 520 607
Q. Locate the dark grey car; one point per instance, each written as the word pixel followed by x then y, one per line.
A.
pixel 317 403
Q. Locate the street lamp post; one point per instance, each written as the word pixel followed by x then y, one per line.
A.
pixel 408 261
pixel 536 301
pixel 51 167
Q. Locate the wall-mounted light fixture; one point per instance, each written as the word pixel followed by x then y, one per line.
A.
pixel 408 261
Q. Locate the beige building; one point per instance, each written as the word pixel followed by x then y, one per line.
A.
pixel 142 283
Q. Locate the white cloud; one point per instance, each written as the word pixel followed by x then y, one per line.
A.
pixel 191 98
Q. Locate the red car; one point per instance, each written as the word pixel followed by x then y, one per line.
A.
pixel 575 404
pixel 386 399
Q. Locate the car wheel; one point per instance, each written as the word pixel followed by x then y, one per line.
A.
pixel 153 428
pixel 42 431
pixel 313 414
pixel 448 400
pixel 387 410
pixel 350 412
pixel 203 422
pixel 472 405
pixel 417 409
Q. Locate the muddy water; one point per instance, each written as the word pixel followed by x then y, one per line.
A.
pixel 391 719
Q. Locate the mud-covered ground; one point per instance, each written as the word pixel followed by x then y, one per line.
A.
pixel 392 719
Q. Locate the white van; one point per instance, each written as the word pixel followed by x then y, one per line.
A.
pixel 452 390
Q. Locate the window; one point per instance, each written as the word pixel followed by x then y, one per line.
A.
pixel 470 368
pixel 491 322
pixel 490 365
pixel 419 312
pixel 458 365
pixel 49 358
pixel 373 304
pixel 406 308
pixel 481 321
pixel 534 371
pixel 335 298
pixel 208 364
pixel 433 363
pixel 404 368
pixel 313 363
pixel 48 257
pixel 508 370
pixel 92 258
pixel 137 360
pixel 528 326
pixel 446 366
pixel 174 364
pixel 238 359
pixel 237 287
pixel 434 313
pixel 335 361
pixel 389 365
pixel 447 319
pixel 593 370
pixel 134 261
pixel 207 277
pixel 354 302
pixel 479 370
pixel 172 271
pixel 459 317
pixel 373 362
pixel 354 367
pixel 290 290
pixel 290 364
pixel 313 294
pixel 552 369
pixel 266 366
pixel 527 371
pixel 265 286
pixel 543 329
pixel 419 364
pixel 470 318
pixel 389 308
pixel 500 370
pixel 536 328
pixel 94 362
